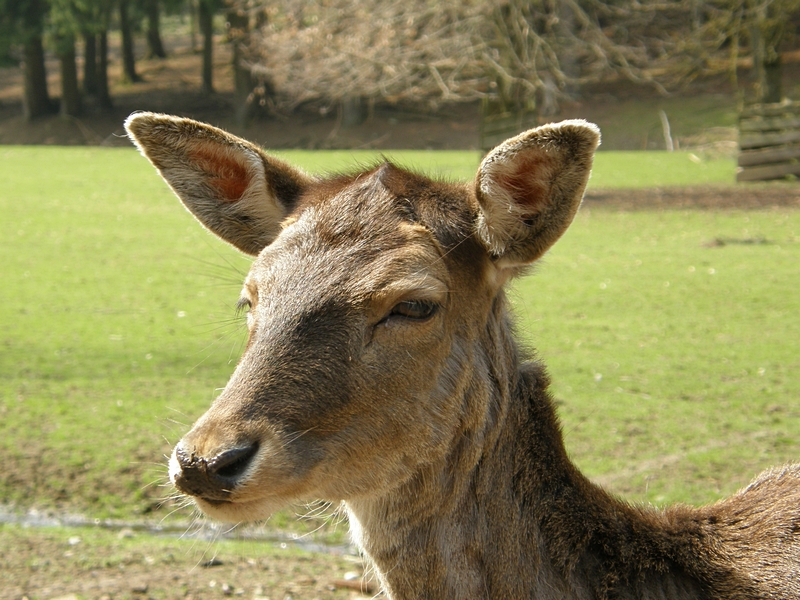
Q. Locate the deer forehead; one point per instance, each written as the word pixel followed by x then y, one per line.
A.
pixel 360 245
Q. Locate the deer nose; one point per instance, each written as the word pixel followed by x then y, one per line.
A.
pixel 212 478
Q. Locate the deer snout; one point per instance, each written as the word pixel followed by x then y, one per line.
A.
pixel 212 477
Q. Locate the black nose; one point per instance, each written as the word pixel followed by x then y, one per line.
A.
pixel 216 477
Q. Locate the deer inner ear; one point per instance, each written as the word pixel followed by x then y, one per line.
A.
pixel 227 175
pixel 527 183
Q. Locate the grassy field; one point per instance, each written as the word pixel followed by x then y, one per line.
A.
pixel 675 358
pixel 672 339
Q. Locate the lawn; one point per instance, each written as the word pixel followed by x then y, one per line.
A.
pixel 673 356
pixel 672 340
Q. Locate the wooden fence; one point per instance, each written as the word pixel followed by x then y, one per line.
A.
pixel 769 141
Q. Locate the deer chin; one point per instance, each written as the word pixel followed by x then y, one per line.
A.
pixel 246 511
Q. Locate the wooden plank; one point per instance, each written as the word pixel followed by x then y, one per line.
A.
pixel 770 110
pixel 765 156
pixel 762 125
pixel 768 139
pixel 768 172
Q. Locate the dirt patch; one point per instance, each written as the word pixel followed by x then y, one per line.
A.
pixel 743 197
pixel 68 564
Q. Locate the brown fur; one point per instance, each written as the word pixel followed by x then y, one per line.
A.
pixel 382 371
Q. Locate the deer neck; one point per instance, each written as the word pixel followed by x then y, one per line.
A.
pixel 505 514
pixel 453 529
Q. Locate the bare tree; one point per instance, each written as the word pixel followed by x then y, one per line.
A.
pixel 525 54
pixel 70 104
pixel 418 50
pixel 90 84
pixel 25 22
pixel 205 17
pixel 103 93
pixel 128 57
pixel 93 21
pixel 240 19
pixel 707 37
pixel 758 28
pixel 155 47
pixel 538 50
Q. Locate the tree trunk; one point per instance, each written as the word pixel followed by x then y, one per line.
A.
pixel 155 47
pixel 771 85
pixel 568 60
pixel 128 57
pixel 354 111
pixel 193 25
pixel 70 92
pixel 89 64
pixel 205 17
pixel 244 99
pixel 103 95
pixel 36 101
pixel 766 35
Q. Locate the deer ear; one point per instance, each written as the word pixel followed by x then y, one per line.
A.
pixel 233 188
pixel 530 187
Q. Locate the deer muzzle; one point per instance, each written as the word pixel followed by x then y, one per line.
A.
pixel 212 477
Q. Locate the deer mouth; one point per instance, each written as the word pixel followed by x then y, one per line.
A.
pixel 239 511
pixel 213 501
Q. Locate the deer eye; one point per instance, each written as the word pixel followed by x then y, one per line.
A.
pixel 418 310
pixel 243 306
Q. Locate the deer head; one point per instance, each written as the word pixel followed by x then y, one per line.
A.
pixel 368 306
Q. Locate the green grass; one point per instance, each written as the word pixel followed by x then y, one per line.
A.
pixel 117 327
pixel 112 297
pixel 660 169
pixel 675 357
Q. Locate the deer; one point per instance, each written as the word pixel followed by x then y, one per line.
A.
pixel 382 372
